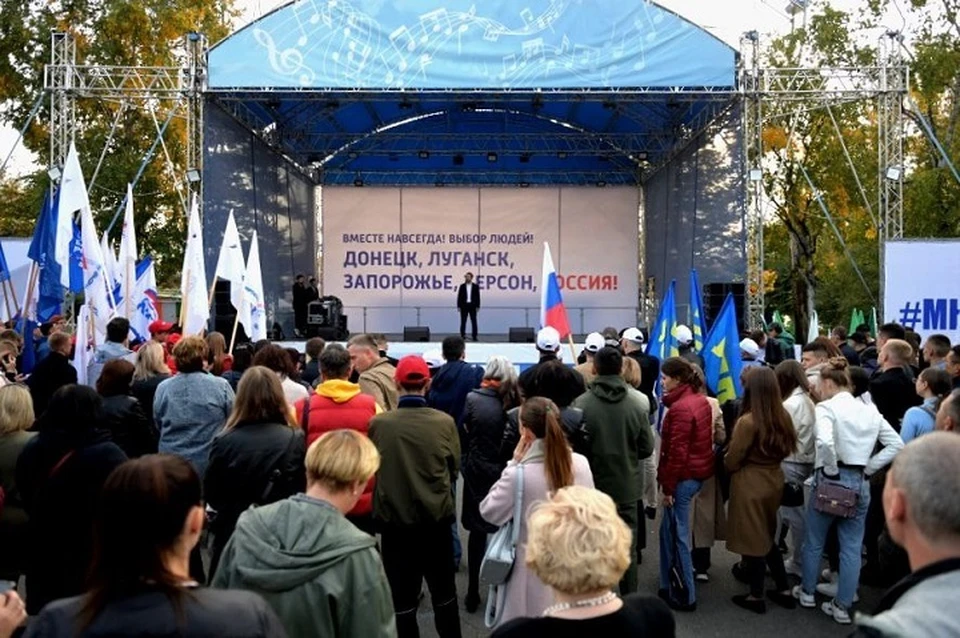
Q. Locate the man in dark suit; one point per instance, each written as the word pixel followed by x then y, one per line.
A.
pixel 468 302
pixel 52 373
pixel 299 306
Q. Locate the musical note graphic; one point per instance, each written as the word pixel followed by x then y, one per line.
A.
pixel 286 62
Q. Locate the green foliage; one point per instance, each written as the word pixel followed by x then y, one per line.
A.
pixel 113 32
pixel 803 254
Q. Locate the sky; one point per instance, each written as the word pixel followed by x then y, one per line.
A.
pixel 727 19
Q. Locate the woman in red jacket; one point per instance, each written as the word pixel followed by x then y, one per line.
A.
pixel 686 459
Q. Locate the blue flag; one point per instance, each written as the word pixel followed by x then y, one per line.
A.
pixel 721 355
pixel 663 338
pixel 4 269
pixel 28 360
pixel 49 292
pixel 76 260
pixel 698 324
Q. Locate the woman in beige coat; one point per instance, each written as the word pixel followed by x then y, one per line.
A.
pixel 709 518
pixel 762 438
pixel 548 464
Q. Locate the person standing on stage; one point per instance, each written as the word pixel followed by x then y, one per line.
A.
pixel 468 302
pixel 299 306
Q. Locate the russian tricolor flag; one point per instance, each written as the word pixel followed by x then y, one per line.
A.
pixel 552 311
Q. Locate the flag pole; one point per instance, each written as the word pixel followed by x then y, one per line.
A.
pixel 127 283
pixel 573 351
pixel 31 281
pixel 13 293
pixel 213 287
pixel 6 301
pixel 233 335
pixel 184 300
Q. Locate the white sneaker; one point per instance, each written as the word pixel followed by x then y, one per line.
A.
pixel 807 601
pixel 793 568
pixel 830 591
pixel 829 576
pixel 840 615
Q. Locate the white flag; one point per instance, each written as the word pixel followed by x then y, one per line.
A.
pixel 230 262
pixel 72 198
pixel 193 279
pixel 109 260
pixel 143 300
pixel 814 330
pixel 97 292
pixel 127 263
pixel 81 349
pixel 253 314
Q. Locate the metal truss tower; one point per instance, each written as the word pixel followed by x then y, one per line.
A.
pixel 63 59
pixel 782 95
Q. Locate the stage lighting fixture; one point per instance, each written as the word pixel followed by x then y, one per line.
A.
pixel 601 183
pixel 796 6
pixel 562 155
pixel 193 175
pixel 524 184
pixel 423 154
pixel 358 182
pixel 492 157
pixel 458 160
pixel 524 158
pixel 406 104
pixel 193 36
pixel 756 174
pixel 894 173
pixel 642 156
pixel 54 173
pixel 352 155
pixel 439 184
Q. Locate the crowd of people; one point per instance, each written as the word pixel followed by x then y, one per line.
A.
pixel 268 492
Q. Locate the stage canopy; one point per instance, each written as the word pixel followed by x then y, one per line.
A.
pixel 499 92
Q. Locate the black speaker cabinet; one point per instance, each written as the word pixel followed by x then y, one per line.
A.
pixel 522 335
pixel 714 294
pixel 416 333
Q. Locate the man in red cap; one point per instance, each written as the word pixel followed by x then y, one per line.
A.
pixel 160 330
pixel 413 505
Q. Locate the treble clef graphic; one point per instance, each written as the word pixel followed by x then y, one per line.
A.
pixel 286 62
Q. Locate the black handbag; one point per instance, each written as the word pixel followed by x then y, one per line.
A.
pixel 792 494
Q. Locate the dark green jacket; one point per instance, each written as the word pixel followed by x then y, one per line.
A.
pixel 419 460
pixel 319 573
pixel 618 429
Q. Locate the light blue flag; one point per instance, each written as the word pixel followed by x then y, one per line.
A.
pixel 663 338
pixel 721 355
pixel 698 324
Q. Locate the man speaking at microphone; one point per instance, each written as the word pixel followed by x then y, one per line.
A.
pixel 468 302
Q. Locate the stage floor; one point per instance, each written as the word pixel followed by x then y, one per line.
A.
pixel 522 355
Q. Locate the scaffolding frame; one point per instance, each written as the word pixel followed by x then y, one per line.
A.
pixel 798 90
pixel 795 88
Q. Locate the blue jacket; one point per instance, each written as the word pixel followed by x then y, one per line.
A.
pixel 450 387
pixel 189 410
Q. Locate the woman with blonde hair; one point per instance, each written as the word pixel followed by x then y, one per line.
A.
pixel 484 421
pixel 579 547
pixel 257 459
pixel 547 464
pixel 151 370
pixel 16 415
pixel 321 574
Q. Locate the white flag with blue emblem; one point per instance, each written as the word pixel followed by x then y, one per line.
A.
pixel 253 314
pixel 97 291
pixel 230 262
pixel 193 282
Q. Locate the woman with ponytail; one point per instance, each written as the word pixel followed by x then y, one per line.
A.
pixel 548 464
pixel 933 386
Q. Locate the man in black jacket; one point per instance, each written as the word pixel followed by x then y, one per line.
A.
pixel 953 366
pixel 839 337
pixel 299 306
pixel 632 342
pixel 468 302
pixel 892 388
pixel 52 373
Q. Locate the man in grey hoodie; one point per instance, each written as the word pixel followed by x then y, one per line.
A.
pixel 923 515
pixel 115 347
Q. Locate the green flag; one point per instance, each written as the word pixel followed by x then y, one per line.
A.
pixel 777 318
pixel 854 321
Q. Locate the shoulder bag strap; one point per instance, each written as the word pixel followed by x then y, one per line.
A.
pixel 277 471
pixel 518 505
pixel 305 415
pixel 63 461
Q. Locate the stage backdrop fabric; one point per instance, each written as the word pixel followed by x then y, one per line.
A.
pixel 921 288
pixel 396 256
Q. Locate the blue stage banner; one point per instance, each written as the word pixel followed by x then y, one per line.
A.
pixel 468 44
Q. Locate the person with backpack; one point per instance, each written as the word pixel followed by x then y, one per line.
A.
pixel 933 386
pixel 256 460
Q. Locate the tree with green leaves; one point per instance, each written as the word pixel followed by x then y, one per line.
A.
pixel 108 32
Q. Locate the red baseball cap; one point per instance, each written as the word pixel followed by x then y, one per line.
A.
pixel 412 369
pixel 160 326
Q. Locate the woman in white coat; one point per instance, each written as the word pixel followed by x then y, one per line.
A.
pixel 548 464
pixel 797 468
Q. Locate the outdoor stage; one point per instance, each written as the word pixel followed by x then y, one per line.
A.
pixel 522 355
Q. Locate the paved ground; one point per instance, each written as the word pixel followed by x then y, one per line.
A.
pixel 715 615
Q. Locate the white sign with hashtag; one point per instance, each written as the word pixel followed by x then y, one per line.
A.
pixel 922 286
